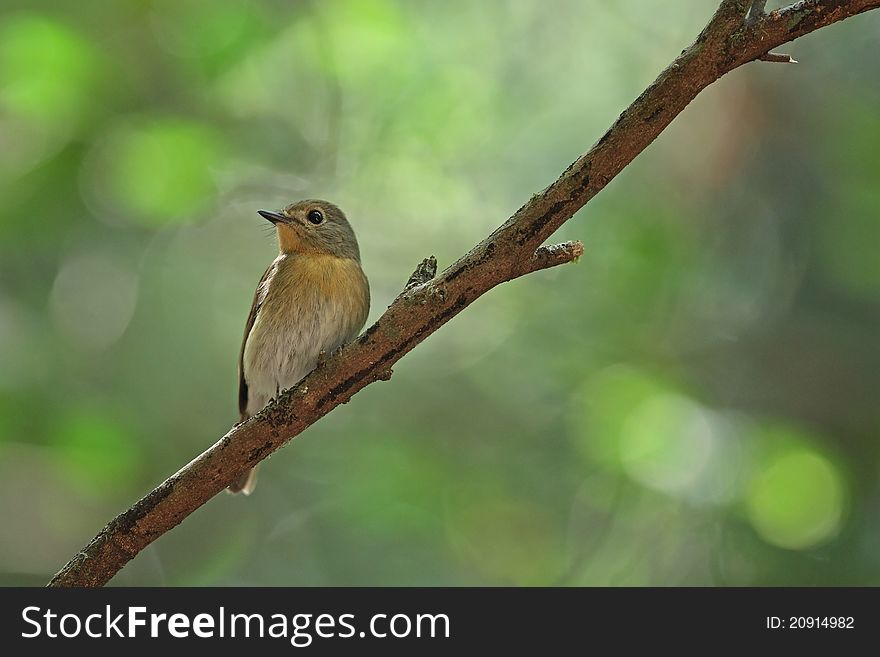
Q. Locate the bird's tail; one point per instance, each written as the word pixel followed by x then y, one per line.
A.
pixel 245 483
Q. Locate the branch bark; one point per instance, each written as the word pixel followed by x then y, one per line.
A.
pixel 739 32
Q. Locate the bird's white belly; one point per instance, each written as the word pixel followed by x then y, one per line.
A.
pixel 282 350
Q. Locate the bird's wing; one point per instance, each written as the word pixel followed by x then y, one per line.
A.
pixel 259 297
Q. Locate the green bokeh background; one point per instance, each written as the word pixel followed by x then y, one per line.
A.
pixel 695 402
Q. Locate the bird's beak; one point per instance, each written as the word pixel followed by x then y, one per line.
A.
pixel 274 217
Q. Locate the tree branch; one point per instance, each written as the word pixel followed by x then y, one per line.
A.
pixel 550 256
pixel 738 33
pixel 779 57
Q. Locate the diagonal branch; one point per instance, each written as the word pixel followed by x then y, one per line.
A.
pixel 778 57
pixel 428 301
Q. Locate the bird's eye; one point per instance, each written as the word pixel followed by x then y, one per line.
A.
pixel 316 217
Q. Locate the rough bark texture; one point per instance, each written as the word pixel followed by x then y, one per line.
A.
pixel 739 32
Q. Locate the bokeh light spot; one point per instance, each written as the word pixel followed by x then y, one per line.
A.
pixel 367 36
pixel 797 500
pixel 197 29
pixel 49 71
pixel 666 443
pixel 93 300
pixel 161 171
pixel 602 407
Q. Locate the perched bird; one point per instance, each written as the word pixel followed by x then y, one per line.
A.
pixel 313 299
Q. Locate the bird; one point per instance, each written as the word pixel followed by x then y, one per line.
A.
pixel 312 300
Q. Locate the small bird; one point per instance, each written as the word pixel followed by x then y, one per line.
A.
pixel 313 299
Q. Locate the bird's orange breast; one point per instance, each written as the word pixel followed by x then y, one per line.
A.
pixel 326 274
pixel 305 281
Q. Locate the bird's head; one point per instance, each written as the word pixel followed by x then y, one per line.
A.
pixel 316 227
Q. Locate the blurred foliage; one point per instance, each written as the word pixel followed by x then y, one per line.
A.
pixel 695 402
